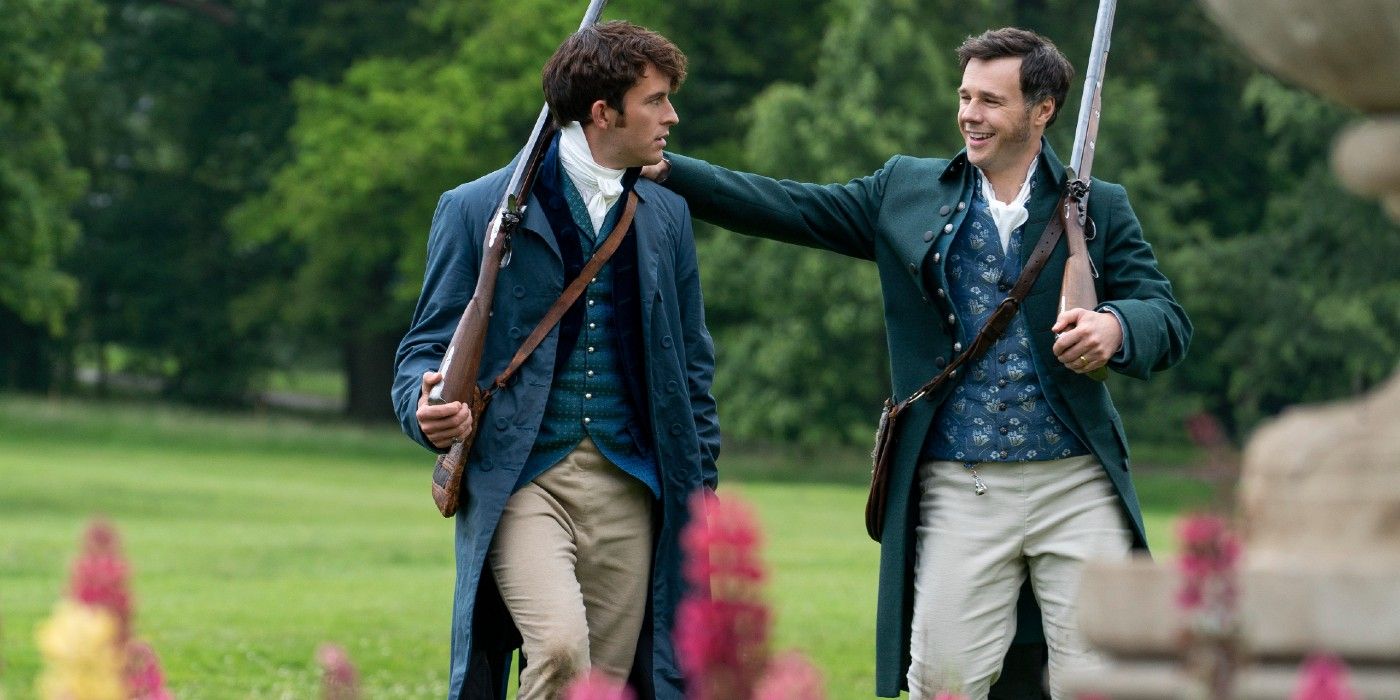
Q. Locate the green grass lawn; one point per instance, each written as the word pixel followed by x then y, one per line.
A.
pixel 253 540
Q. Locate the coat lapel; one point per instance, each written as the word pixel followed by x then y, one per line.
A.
pixel 1049 182
pixel 646 229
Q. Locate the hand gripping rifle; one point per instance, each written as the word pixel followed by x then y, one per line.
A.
pixel 462 362
pixel 1077 286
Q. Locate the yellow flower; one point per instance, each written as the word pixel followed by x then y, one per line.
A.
pixel 78 644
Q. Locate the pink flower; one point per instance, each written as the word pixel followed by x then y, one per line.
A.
pixel 790 677
pixel 338 678
pixel 99 576
pixel 1323 678
pixel 1205 430
pixel 1209 555
pixel 143 676
pixel 596 685
pixel 722 624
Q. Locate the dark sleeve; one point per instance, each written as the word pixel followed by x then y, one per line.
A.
pixel 1157 332
pixel 699 351
pixel 454 254
pixel 839 218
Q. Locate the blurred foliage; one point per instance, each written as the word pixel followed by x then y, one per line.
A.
pixel 253 182
pixel 41 42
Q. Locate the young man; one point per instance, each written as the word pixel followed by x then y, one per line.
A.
pixel 950 238
pixel 577 483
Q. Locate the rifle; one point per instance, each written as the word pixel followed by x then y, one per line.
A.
pixel 1077 285
pixel 462 362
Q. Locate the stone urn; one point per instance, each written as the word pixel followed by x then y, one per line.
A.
pixel 1347 51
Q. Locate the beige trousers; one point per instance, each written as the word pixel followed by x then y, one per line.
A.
pixel 572 559
pixel 1037 519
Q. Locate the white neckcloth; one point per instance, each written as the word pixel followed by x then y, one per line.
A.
pixel 599 186
pixel 1008 216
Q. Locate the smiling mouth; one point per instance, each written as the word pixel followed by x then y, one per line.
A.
pixel 978 135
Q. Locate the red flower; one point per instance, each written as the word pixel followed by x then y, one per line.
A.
pixel 790 677
pixel 143 676
pixel 338 678
pixel 596 685
pixel 99 576
pixel 1323 678
pixel 722 625
pixel 1209 555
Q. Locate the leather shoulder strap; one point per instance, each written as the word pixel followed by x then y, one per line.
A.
pixel 1001 318
pixel 571 293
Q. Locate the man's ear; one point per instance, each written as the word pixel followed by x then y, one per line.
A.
pixel 598 114
pixel 1041 113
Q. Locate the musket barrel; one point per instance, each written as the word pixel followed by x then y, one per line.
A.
pixel 1079 161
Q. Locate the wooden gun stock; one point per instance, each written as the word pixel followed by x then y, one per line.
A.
pixel 1077 285
pixel 462 363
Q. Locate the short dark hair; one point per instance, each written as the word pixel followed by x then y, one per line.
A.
pixel 602 62
pixel 1045 72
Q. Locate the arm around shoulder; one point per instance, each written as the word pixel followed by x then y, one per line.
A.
pixel 839 218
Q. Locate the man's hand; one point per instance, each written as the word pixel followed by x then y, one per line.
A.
pixel 1085 339
pixel 445 423
pixel 657 171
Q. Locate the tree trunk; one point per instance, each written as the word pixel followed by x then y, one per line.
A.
pixel 26 355
pixel 369 374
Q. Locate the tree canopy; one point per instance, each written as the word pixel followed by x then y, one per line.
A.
pixel 219 188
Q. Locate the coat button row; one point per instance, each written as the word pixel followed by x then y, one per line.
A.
pixel 665 341
pixel 671 387
pixel 519 291
pixel 675 428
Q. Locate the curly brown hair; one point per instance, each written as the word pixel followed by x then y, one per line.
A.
pixel 602 62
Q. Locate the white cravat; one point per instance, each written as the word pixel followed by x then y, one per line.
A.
pixel 599 186
pixel 1008 216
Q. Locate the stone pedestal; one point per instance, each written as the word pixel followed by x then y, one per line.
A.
pixel 1319 492
pixel 1320 512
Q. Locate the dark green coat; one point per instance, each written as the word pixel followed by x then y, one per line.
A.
pixel 897 217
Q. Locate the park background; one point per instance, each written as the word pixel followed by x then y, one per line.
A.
pixel 213 218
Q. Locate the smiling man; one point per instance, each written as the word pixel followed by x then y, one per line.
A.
pixel 576 487
pixel 1016 472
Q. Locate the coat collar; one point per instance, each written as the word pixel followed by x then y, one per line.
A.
pixel 1049 168
pixel 547 192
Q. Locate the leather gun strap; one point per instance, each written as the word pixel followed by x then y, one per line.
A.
pixel 571 293
pixel 1001 318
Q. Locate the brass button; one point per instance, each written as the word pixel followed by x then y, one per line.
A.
pixel 962 206
pixel 947 228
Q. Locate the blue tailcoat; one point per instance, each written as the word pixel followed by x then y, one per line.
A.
pixel 659 284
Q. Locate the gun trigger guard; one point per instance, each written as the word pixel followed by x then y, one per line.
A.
pixel 1090 232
